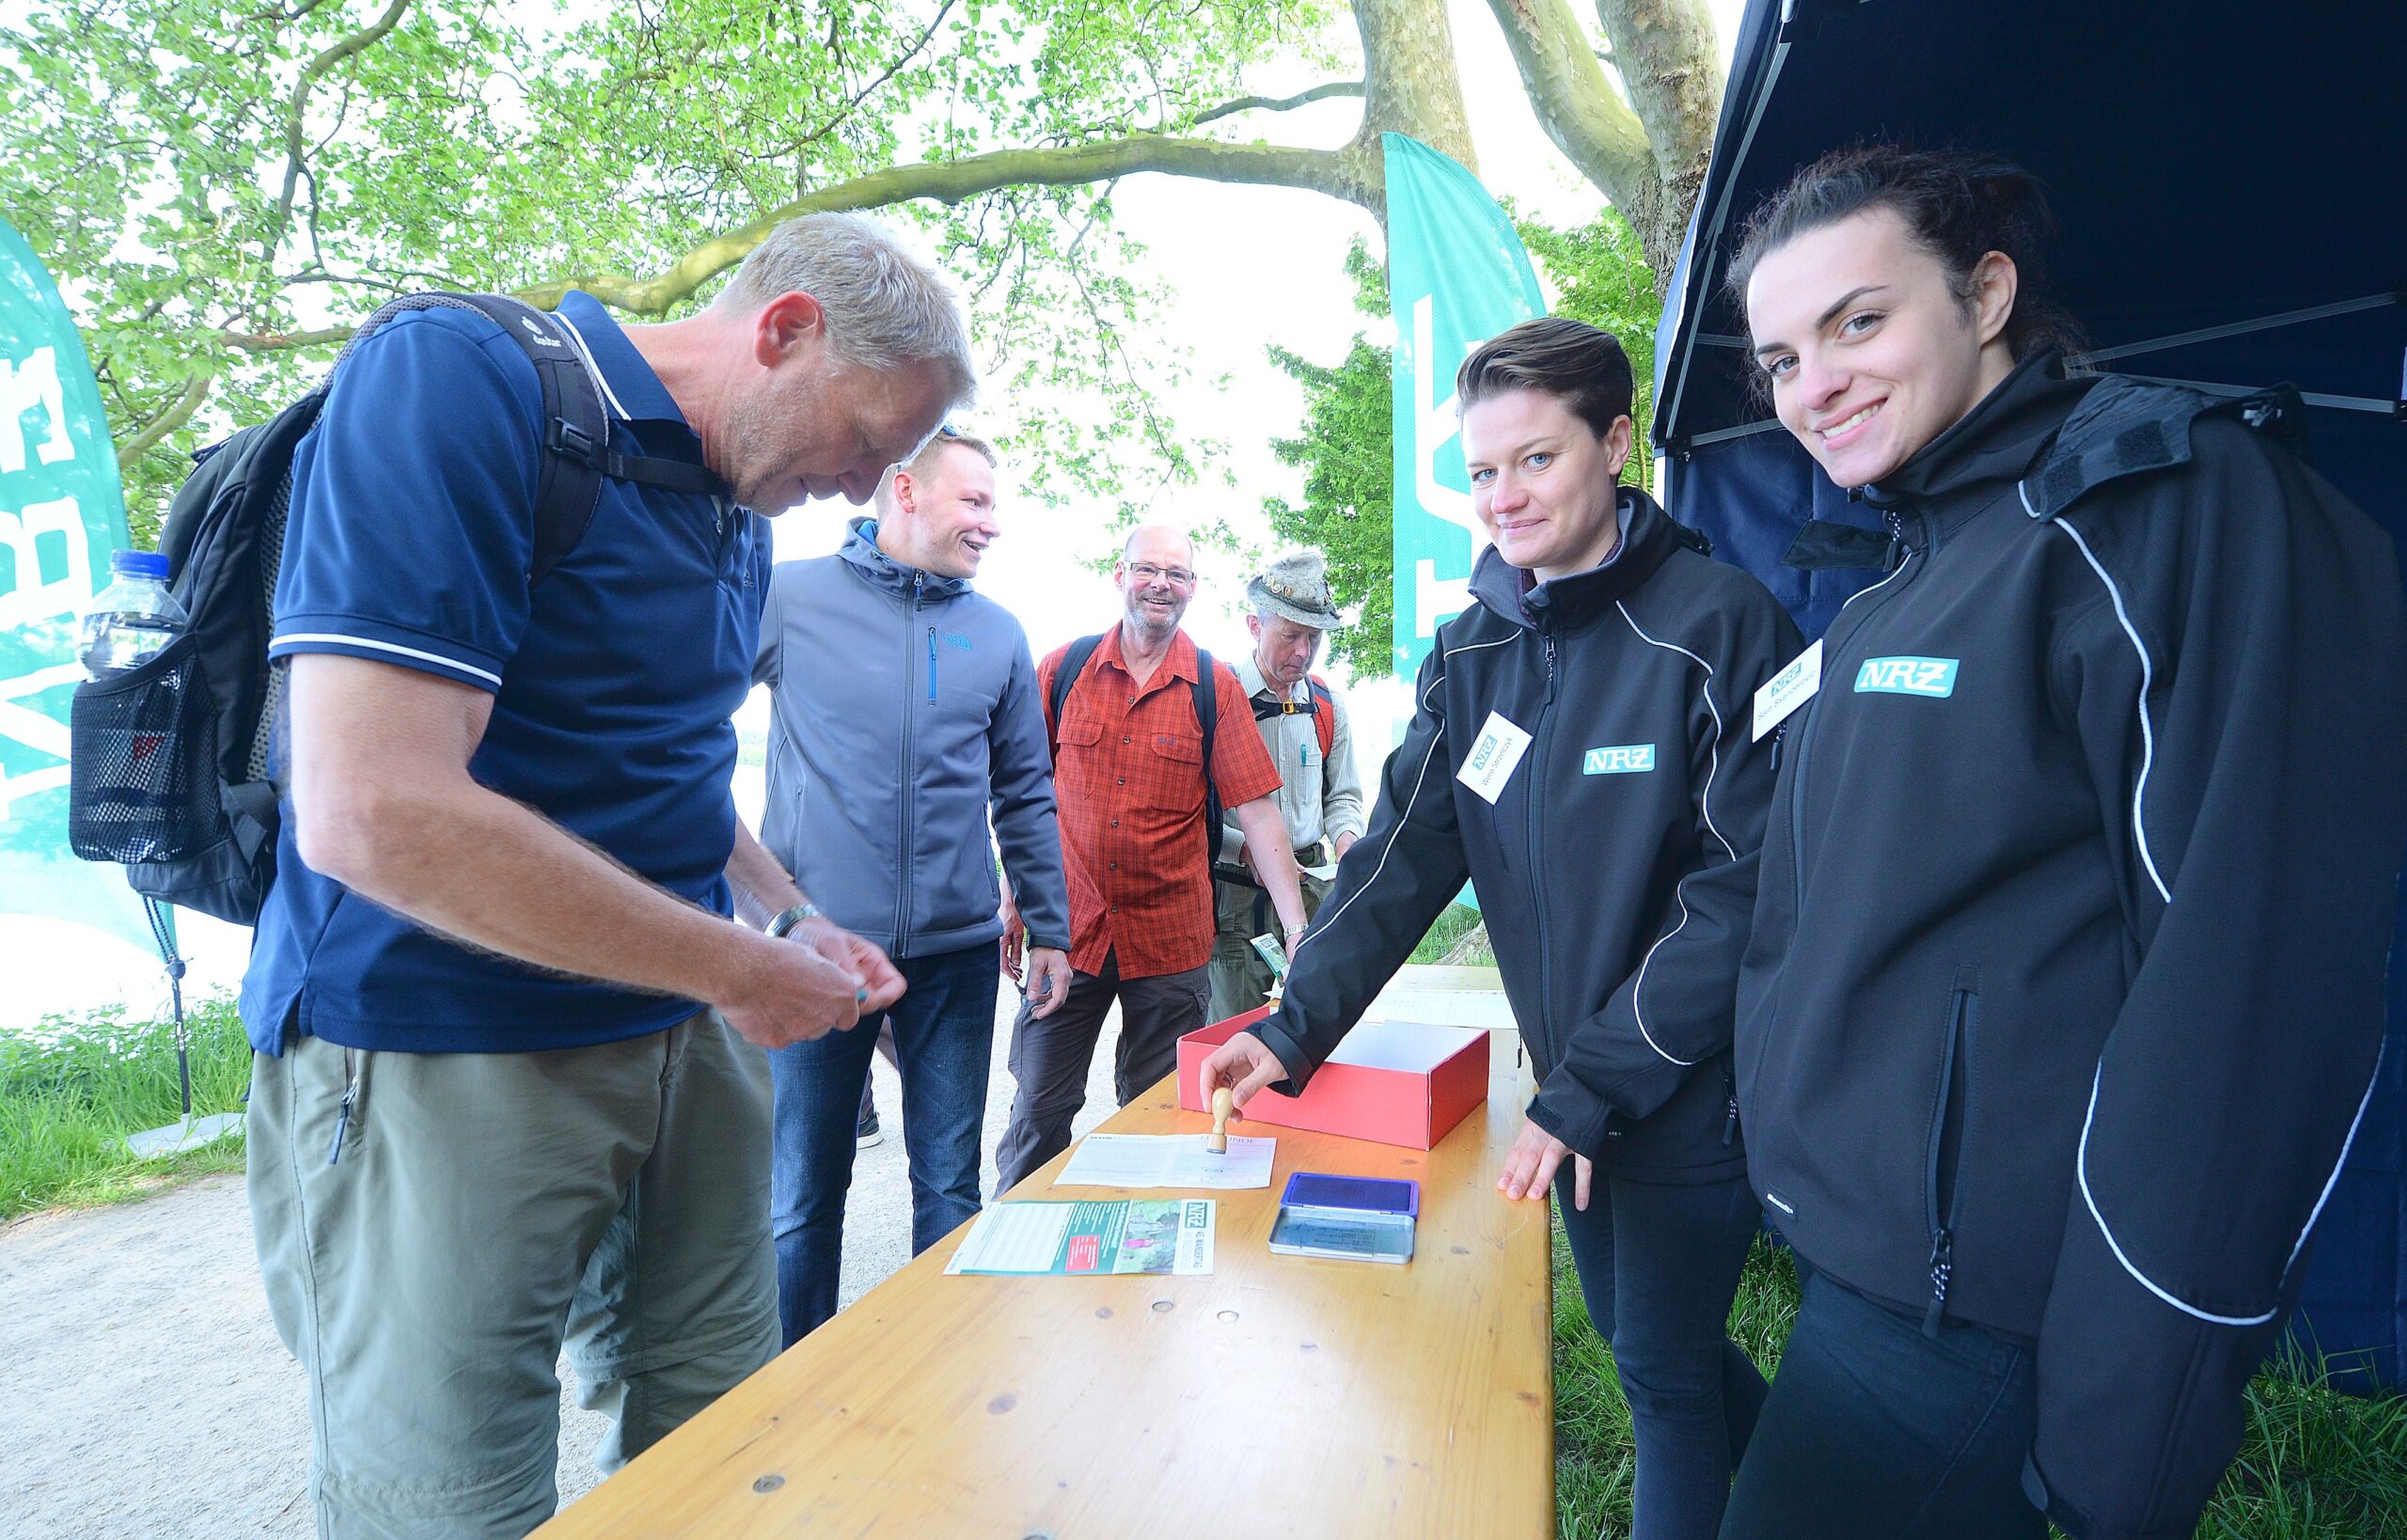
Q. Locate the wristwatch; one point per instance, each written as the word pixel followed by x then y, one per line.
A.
pixel 791 918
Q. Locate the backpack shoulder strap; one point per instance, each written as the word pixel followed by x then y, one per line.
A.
pixel 1325 715
pixel 576 428
pixel 577 433
pixel 1207 717
pixel 1074 663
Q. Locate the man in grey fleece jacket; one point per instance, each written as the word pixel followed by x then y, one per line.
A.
pixel 903 706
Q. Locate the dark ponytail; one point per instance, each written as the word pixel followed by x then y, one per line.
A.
pixel 1957 205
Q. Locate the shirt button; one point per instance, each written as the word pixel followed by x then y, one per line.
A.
pixel 1123 780
pixel 1116 822
pixel 1126 740
pixel 1115 866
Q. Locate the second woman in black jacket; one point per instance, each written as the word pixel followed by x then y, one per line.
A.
pixel 1579 751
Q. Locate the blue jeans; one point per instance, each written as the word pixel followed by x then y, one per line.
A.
pixel 1659 1265
pixel 944 1037
pixel 1876 1432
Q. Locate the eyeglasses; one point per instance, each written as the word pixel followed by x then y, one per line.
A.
pixel 1177 577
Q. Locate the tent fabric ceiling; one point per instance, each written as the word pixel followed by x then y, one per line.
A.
pixel 2218 163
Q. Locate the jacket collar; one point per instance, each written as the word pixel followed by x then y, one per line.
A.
pixel 860 549
pixel 632 390
pixel 1994 443
pixel 1649 536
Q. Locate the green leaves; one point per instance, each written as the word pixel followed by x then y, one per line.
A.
pixel 1345 445
pixel 471 144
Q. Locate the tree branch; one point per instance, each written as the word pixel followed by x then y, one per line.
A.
pixel 1600 131
pixel 177 413
pixel 1671 69
pixel 1575 102
pixel 1280 103
pixel 947 181
pixel 293 148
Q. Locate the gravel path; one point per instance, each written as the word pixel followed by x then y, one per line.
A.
pixel 149 1395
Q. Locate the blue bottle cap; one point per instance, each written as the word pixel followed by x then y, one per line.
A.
pixel 138 564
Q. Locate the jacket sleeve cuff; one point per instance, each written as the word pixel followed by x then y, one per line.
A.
pixel 1290 1053
pixel 1583 1128
pixel 2075 1523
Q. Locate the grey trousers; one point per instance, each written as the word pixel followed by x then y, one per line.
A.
pixel 1240 979
pixel 427 1252
pixel 1050 1057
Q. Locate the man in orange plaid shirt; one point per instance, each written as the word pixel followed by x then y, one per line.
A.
pixel 1128 777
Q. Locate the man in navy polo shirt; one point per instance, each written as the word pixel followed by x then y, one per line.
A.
pixel 509 1086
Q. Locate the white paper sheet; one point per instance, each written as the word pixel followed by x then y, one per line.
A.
pixel 1167 1160
pixel 1014 1239
pixel 1416 1047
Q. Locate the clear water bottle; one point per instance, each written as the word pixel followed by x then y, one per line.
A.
pixel 132 619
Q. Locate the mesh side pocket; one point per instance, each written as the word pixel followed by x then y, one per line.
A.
pixel 142 782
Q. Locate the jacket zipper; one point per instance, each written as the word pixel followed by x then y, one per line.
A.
pixel 904 778
pixel 1537 831
pixel 932 665
pixel 1956 1057
pixel 1730 1099
pixel 1831 669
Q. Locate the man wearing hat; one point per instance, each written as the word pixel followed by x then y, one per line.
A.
pixel 1304 726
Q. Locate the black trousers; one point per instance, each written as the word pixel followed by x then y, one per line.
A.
pixel 1873 1431
pixel 1051 1056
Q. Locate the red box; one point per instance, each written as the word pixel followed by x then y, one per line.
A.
pixel 1391 1107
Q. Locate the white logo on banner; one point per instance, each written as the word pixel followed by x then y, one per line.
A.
pixel 53 528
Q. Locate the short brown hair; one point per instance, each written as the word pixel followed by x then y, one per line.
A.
pixel 1583 366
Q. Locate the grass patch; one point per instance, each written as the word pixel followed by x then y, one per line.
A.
pixel 1451 927
pixel 71 1090
pixel 2316 1464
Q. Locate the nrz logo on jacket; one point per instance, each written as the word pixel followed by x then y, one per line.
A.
pixel 1933 677
pixel 1627 759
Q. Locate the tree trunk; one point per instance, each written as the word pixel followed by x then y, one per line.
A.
pixel 1647 154
pixel 1414 87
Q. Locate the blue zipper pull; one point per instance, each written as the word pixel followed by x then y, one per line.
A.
pixel 932 663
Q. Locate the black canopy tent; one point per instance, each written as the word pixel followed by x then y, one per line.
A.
pixel 2232 189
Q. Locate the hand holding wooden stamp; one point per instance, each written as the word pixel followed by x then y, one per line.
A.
pixel 1223 1102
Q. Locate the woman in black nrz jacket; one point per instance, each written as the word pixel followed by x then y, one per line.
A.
pixel 2064 993
pixel 1579 751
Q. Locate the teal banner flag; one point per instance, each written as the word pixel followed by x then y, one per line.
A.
pixel 62 511
pixel 1456 275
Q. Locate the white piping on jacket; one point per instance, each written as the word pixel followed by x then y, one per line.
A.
pixel 1704 801
pixel 2081 1173
pixel 2330 1182
pixel 1414 795
pixel 2147 680
pixel 374 645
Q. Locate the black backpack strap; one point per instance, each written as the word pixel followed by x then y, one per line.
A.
pixel 1207 716
pixel 1074 663
pixel 577 434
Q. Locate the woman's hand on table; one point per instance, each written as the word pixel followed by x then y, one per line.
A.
pixel 1530 1164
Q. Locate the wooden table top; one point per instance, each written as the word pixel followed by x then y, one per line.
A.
pixel 1279 1396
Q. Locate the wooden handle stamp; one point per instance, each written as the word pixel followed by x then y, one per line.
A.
pixel 1223 1102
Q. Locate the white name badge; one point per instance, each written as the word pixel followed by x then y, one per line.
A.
pixel 1494 757
pixel 1788 689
